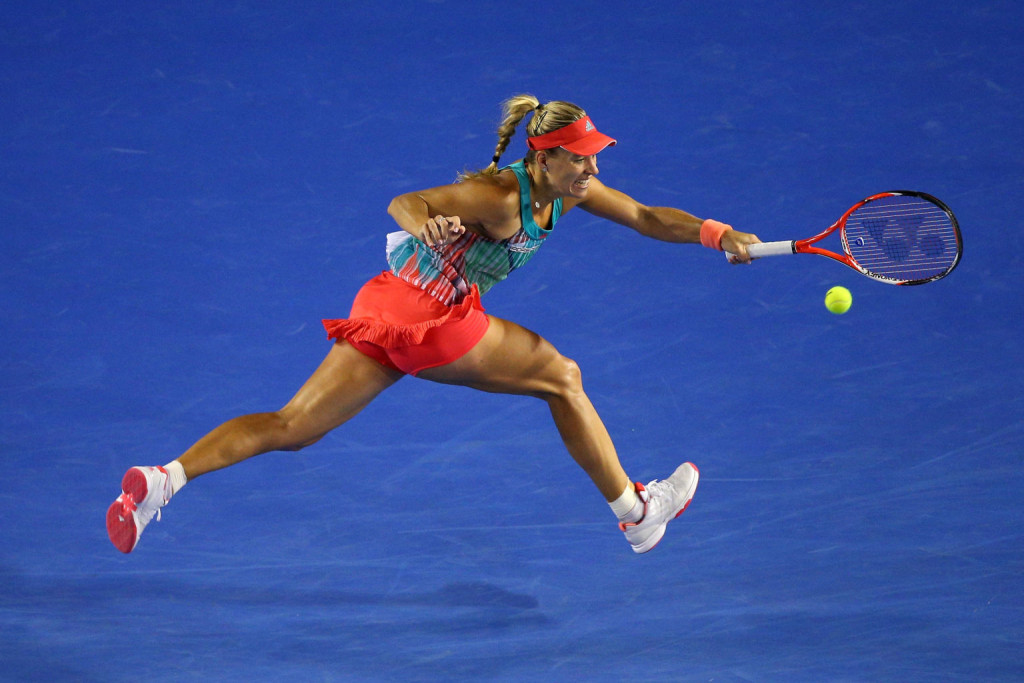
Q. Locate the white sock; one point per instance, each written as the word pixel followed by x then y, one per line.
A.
pixel 177 475
pixel 628 507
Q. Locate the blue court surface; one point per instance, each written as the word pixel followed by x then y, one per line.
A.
pixel 188 188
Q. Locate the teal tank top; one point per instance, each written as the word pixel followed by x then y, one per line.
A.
pixel 449 272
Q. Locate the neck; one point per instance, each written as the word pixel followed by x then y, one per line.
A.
pixel 540 191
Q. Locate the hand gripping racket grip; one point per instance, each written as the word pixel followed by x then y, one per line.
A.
pixel 768 249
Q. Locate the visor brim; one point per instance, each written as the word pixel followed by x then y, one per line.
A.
pixel 590 144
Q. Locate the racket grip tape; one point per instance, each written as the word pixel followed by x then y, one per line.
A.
pixel 782 248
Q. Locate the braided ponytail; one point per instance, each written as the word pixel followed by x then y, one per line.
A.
pixel 514 110
pixel 546 117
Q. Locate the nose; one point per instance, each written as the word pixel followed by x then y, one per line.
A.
pixel 592 164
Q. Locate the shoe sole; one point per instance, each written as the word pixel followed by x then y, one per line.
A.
pixel 648 546
pixel 120 522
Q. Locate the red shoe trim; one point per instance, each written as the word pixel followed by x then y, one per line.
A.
pixel 695 492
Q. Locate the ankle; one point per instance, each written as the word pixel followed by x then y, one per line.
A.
pixel 176 474
pixel 628 507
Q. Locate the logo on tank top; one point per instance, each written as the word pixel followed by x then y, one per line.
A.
pixel 522 244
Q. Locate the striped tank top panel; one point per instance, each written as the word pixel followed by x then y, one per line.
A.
pixel 449 272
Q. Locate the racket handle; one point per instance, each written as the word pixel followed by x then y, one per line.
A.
pixel 771 248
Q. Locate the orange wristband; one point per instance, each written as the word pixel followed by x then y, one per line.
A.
pixel 711 232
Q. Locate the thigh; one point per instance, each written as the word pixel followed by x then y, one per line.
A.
pixel 344 384
pixel 509 359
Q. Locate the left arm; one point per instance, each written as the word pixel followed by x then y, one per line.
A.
pixel 658 222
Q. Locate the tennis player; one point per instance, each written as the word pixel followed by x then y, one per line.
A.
pixel 423 317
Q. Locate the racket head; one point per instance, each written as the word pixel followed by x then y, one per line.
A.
pixel 901 237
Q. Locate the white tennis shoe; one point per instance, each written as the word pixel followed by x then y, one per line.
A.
pixel 663 502
pixel 144 491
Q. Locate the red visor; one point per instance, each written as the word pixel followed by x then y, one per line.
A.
pixel 579 137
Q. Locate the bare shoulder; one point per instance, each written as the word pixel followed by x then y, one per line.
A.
pixel 486 204
pixel 495 197
pixel 494 187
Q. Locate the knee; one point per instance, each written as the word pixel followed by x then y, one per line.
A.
pixel 289 433
pixel 565 378
pixel 299 446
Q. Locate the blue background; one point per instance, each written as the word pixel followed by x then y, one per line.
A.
pixel 187 189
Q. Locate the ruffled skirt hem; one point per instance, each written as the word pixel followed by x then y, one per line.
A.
pixel 390 335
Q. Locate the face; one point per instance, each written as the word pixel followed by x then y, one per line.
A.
pixel 570 173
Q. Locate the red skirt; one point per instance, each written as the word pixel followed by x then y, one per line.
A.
pixel 402 327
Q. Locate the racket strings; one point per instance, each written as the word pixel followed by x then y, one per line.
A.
pixel 902 237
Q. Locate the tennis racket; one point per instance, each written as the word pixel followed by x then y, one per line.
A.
pixel 902 238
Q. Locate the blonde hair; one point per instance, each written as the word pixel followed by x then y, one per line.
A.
pixel 546 118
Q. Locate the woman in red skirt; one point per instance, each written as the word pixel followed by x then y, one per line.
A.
pixel 423 317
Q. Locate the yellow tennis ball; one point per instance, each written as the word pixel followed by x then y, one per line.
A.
pixel 838 300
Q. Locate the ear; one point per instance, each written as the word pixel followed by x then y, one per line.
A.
pixel 542 159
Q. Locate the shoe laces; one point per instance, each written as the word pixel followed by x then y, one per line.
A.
pixel 165 491
pixel 654 497
pixel 658 488
pixel 129 504
pixel 658 492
